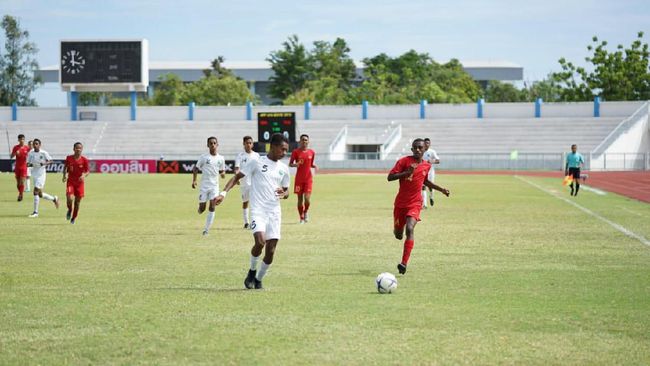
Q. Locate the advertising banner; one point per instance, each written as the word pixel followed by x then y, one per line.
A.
pixel 122 166
pixel 186 166
pixel 7 165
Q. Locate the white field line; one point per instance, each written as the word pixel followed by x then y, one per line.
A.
pixel 616 226
pixel 99 138
pixel 594 190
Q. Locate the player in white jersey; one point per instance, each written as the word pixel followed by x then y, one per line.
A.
pixel 270 180
pixel 29 171
pixel 432 157
pixel 39 159
pixel 212 166
pixel 244 184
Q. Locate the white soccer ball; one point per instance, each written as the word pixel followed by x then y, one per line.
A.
pixel 386 283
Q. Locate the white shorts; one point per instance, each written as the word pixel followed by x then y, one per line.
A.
pixel 29 171
pixel 432 175
pixel 267 223
pixel 39 180
pixel 208 194
pixel 245 192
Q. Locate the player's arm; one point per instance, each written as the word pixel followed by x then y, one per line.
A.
pixel 432 185
pixel 65 171
pixel 13 153
pixel 195 173
pixel 292 160
pixel 313 162
pixel 231 183
pixel 85 173
pixel 282 192
pixel 222 173
pixel 395 176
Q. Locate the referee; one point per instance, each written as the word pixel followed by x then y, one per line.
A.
pixel 574 161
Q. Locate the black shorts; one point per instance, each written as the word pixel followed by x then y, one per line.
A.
pixel 574 172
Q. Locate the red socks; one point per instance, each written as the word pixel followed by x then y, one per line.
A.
pixel 21 188
pixel 406 254
pixel 301 212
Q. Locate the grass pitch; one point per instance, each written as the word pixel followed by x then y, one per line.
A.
pixel 501 273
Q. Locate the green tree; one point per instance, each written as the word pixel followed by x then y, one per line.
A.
pixel 546 89
pixel 290 66
pixel 623 74
pixel 213 90
pixel 332 61
pixel 497 91
pixel 17 65
pixel 169 90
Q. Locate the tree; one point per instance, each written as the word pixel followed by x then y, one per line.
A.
pixel 623 74
pixel 290 66
pixel 169 90
pixel 497 91
pixel 332 61
pixel 213 90
pixel 17 65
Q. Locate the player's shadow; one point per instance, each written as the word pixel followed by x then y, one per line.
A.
pixel 363 272
pixel 199 289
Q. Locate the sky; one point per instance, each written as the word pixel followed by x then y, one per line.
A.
pixel 533 34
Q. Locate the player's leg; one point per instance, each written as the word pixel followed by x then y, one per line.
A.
pixel 209 219
pixel 20 184
pixel 47 196
pixel 301 207
pixel 78 192
pixel 399 221
pixel 37 200
pixel 307 197
pixel 69 199
pixel 256 251
pixel 245 193
pixel 424 197
pixel 576 179
pixel 431 178
pixel 272 236
pixel 408 244
pixel 28 180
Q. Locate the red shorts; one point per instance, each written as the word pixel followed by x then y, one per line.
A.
pixel 21 172
pixel 302 187
pixel 401 213
pixel 76 190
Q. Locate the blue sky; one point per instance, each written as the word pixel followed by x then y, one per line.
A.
pixel 534 34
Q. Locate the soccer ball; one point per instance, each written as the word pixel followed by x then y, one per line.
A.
pixel 386 283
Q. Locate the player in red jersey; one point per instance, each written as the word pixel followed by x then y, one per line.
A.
pixel 412 173
pixel 20 151
pixel 302 158
pixel 75 172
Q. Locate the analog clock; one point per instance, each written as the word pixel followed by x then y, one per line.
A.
pixel 73 62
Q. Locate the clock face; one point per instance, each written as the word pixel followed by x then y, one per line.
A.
pixel 73 62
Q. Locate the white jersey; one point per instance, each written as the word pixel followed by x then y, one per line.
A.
pixel 431 156
pixel 243 158
pixel 37 159
pixel 210 166
pixel 265 177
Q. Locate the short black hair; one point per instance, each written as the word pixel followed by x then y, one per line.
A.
pixel 278 139
pixel 574 145
pixel 212 137
pixel 34 141
pixel 416 141
pixel 77 143
pixel 305 135
pixel 21 136
pixel 427 139
pixel 247 138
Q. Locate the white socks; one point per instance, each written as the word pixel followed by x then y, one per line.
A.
pixel 37 199
pixel 254 261
pixel 209 220
pixel 424 198
pixel 262 271
pixel 27 184
pixel 245 215
pixel 48 197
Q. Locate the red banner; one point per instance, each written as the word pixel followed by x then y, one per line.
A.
pixel 123 166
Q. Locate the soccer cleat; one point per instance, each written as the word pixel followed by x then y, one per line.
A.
pixel 246 226
pixel 27 190
pixel 68 215
pixel 72 221
pixel 302 222
pixel 572 190
pixel 56 202
pixel 306 218
pixel 205 232
pixel 20 197
pixel 258 285
pixel 33 215
pixel 249 281
pixel 431 202
pixel 401 268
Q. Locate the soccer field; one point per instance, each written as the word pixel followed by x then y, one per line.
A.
pixel 502 273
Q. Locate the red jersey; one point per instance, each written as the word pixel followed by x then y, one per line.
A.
pixel 410 188
pixel 21 155
pixel 75 168
pixel 305 159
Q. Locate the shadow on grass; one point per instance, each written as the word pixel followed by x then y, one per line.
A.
pixel 200 289
pixel 364 272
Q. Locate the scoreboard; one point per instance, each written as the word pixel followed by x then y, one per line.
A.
pixel 107 65
pixel 269 123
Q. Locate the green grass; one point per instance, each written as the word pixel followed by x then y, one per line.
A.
pixel 501 273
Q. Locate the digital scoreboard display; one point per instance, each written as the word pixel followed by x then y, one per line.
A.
pixel 101 62
pixel 269 123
